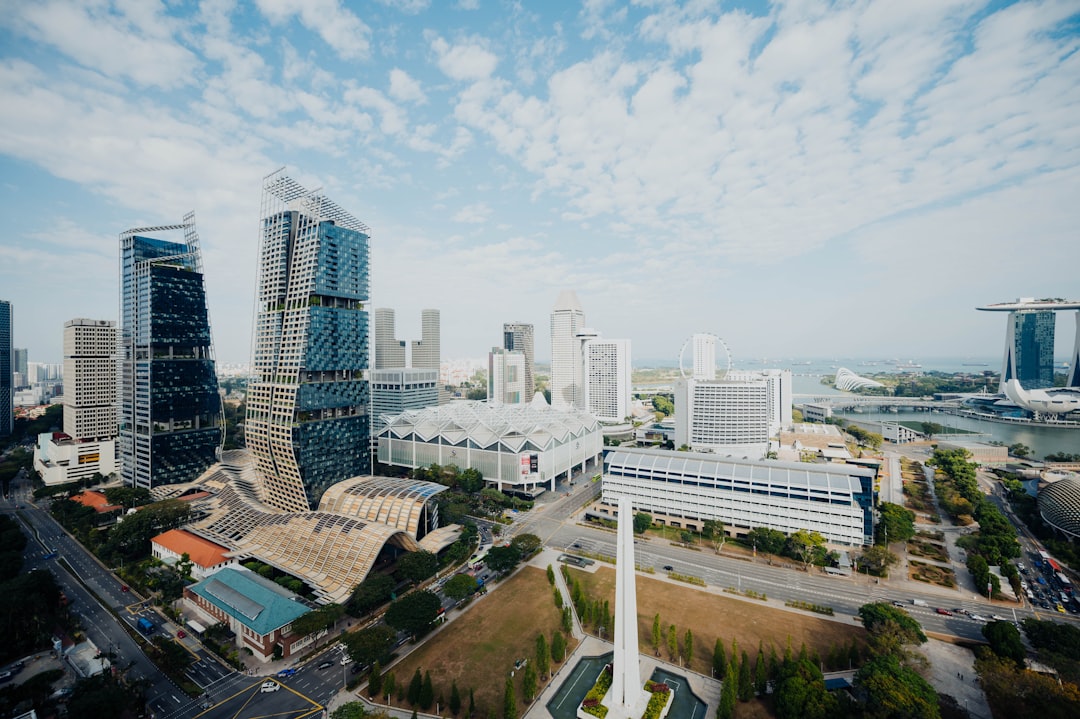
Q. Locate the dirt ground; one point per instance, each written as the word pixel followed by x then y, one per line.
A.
pixel 711 616
pixel 479 648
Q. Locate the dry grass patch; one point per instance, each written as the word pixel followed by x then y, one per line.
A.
pixel 711 616
pixel 479 648
pixel 923 572
pixel 928 550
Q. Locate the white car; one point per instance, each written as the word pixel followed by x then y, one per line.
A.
pixel 346 659
pixel 978 618
pixel 269 686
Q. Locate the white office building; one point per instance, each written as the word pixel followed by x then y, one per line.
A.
pixel 395 390
pixel 704 349
pixel 607 378
pixel 518 337
pixel 506 377
pixel 426 351
pixel 723 416
pixel 683 489
pixel 389 350
pixel 90 373
pixel 779 393
pixel 567 321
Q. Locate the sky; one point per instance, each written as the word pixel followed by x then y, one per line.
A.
pixel 802 179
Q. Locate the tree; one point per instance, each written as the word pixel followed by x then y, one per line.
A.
pixel 897 523
pixel 672 643
pixel 688 647
pixel 374 685
pixel 416 685
pixel 509 700
pixel 558 646
pixel 350 710
pixel 502 559
pixel 890 628
pixel 460 586
pixel 719 660
pixel 766 539
pixel 728 695
pixel 800 692
pixel 526 544
pixel 746 680
pixel 805 546
pixel 550 575
pixel 318 620
pixel 877 558
pixel 761 674
pixel 427 692
pixel 472 703
pixel 642 521
pixel 529 682
pixel 369 594
pixel 1005 641
pixel 543 656
pixel 414 612
pixel 895 690
pixel 713 530
pixel 370 645
pixel 656 634
pixel 389 684
pixel 417 566
pixel 455 698
pixel 1019 449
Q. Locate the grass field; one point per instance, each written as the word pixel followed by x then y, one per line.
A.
pixel 479 648
pixel 711 616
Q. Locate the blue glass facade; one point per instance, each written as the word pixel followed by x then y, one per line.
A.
pixel 307 425
pixel 7 379
pixel 170 425
pixel 1034 348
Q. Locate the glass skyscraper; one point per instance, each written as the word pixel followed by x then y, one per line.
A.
pixel 307 417
pixel 1033 347
pixel 170 410
pixel 7 377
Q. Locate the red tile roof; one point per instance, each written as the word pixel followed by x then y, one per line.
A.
pixel 202 552
pixel 95 500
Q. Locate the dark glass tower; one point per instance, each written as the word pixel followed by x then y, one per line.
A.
pixel 7 378
pixel 1033 350
pixel 307 419
pixel 170 410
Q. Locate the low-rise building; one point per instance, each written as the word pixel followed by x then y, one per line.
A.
pixel 60 458
pixel 898 434
pixel 981 452
pixel 259 611
pixel 206 557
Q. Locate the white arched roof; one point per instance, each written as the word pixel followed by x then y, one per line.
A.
pixel 847 380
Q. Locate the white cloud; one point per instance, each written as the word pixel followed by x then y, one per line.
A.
pixel 467 61
pixel 409 7
pixel 341 29
pixel 475 214
pixel 404 88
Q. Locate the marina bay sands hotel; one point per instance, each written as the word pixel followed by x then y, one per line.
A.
pixel 1027 372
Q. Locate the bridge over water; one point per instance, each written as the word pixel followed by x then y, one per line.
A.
pixel 853 400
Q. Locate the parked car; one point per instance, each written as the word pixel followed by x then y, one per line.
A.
pixel 269 686
pixel 346 659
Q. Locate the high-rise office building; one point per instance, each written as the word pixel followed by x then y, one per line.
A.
pixel 704 348
pixel 90 379
pixel 778 393
pixel 518 337
pixel 19 367
pixel 607 379
pixel 170 410
pixel 725 416
pixel 389 350
pixel 7 376
pixel 567 321
pixel 506 377
pixel 397 389
pixel 426 351
pixel 308 422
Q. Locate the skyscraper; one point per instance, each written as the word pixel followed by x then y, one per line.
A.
pixel 1031 338
pixel 7 376
pixel 397 389
pixel 90 379
pixel 426 352
pixel 567 320
pixel 19 367
pixel 307 419
pixel 607 379
pixel 704 347
pixel 170 411
pixel 506 377
pixel 389 350
pixel 518 337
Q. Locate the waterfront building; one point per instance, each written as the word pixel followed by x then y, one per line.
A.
pixel 308 417
pixel 170 411
pixel 846 381
pixel 7 376
pixel 567 321
pixel 518 337
pixel 607 378
pixel 389 350
pixel 1059 505
pixel 426 351
pixel 506 377
pixel 520 447
pixel 395 390
pixel 683 489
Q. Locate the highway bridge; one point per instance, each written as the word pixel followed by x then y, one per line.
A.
pixel 854 400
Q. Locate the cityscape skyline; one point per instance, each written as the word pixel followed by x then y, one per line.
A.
pixel 663 162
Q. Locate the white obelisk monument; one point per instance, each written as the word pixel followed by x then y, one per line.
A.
pixel 627 697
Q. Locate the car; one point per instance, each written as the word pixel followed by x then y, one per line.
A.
pixel 346 659
pixel 125 588
pixel 50 555
pixel 1060 608
pixel 978 618
pixel 577 545
pixel 998 618
pixel 668 568
pixel 943 611
pixel 897 603
pixel 325 665
pixel 269 686
pixel 286 673
pixel 180 634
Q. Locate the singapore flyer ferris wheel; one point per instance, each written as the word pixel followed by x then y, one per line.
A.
pixel 706 349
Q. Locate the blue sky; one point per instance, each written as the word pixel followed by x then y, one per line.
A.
pixel 801 178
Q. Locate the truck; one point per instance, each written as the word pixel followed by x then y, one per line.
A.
pixel 145 625
pixel 920 603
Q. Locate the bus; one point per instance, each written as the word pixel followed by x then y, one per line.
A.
pixel 1065 583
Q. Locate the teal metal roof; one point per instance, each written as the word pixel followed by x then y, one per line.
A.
pixel 259 604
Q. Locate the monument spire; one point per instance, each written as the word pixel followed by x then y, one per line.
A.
pixel 627 698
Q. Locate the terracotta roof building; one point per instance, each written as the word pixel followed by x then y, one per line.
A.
pixel 206 556
pixel 96 501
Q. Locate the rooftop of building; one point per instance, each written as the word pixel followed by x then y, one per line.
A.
pixel 259 604
pixel 201 551
pixel 95 500
pixel 1030 303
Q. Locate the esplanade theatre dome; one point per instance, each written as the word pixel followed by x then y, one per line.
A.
pixel 1059 505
